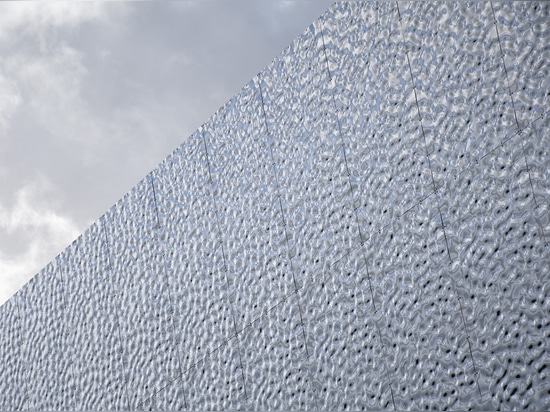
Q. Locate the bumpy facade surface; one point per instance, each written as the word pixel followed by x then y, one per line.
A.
pixel 365 225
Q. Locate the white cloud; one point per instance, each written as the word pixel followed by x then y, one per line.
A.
pixel 33 217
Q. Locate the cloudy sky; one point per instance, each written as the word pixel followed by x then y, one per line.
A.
pixel 93 95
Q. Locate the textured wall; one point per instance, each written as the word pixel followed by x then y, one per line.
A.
pixel 365 225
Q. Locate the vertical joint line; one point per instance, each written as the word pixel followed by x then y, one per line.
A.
pixel 168 288
pixel 303 327
pixel 444 231
pixel 383 347
pixel 471 354
pixel 385 359
pixel 426 146
pixel 469 346
pixel 504 65
pixel 398 11
pixel 370 284
pixel 118 322
pixel 344 152
pixel 463 319
pixel 358 225
pixel 289 258
pixel 107 244
pixel 224 261
pixel 242 368
pixel 529 173
pixel 392 399
pixel 234 321
pixel 284 225
pixel 475 370
pixel 513 104
pixel 325 50
pixel 27 368
pixel 282 214
pixel 225 266
pixel 207 157
pixel 155 199
pixel 263 105
pixel 60 348
pixel 216 211
pixel 479 388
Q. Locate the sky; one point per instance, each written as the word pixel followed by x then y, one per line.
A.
pixel 94 95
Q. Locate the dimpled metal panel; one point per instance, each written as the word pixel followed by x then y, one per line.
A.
pixel 91 318
pixel 274 357
pixel 307 153
pixel 244 191
pixel 49 374
pixel 12 369
pixel 141 291
pixel 202 315
pixel 376 109
pixel 365 225
pixel 169 398
pixel 523 34
pixel 216 381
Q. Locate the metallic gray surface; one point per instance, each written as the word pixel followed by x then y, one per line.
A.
pixel 365 225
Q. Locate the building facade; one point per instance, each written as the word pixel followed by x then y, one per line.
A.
pixel 365 225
